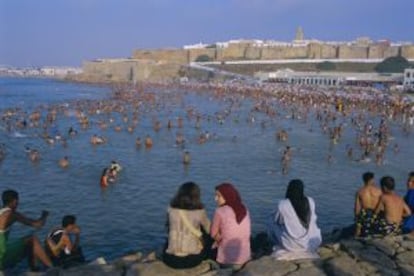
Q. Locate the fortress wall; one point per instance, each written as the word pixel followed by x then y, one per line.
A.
pixel 314 50
pixel 233 52
pixel 376 51
pixel 128 70
pixel 253 53
pixel 284 52
pixel 407 51
pixel 329 51
pixel 193 54
pixel 171 55
pixel 391 51
pixel 110 71
pixel 346 51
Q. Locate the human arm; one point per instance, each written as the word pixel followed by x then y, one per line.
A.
pixel 36 223
pixel 406 210
pixel 380 206
pixel 357 206
pixel 205 222
pixel 76 232
pixel 64 243
pixel 215 227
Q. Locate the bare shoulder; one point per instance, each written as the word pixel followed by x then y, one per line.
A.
pixel 377 191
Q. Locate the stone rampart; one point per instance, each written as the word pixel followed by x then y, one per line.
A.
pixel 172 55
pixel 246 51
pixel 354 52
pixel 128 70
pixel 407 51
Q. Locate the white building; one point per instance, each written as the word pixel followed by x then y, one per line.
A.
pixel 408 82
pixel 196 46
pixel 330 78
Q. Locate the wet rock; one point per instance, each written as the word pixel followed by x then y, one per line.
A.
pixel 89 270
pixel 372 255
pixel 407 270
pixel 387 246
pixel 268 266
pixel 343 266
pixel 408 245
pixel 309 271
pixel 406 258
pixel 326 253
pixel 352 247
pixel 157 268
pixel 400 250
pixel 368 268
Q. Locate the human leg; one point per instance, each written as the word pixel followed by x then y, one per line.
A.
pixel 36 252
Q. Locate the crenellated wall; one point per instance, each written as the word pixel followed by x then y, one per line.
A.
pixel 351 51
pixel 248 51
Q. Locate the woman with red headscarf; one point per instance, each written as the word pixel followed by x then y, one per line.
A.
pixel 231 227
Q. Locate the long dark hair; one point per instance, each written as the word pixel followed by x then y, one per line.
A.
pixel 299 201
pixel 187 197
pixel 233 199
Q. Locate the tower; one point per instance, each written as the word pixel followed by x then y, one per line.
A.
pixel 299 33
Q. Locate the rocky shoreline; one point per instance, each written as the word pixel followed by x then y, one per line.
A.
pixel 393 255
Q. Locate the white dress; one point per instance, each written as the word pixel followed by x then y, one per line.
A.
pixel 292 240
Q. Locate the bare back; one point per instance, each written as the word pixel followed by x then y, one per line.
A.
pixel 394 208
pixel 369 197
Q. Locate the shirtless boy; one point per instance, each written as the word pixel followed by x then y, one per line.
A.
pixel 366 200
pixel 12 252
pixel 59 246
pixel 393 206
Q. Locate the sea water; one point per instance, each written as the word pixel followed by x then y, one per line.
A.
pixel 130 215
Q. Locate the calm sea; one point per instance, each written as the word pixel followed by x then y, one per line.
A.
pixel 130 215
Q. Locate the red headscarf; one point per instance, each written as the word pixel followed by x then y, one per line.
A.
pixel 232 198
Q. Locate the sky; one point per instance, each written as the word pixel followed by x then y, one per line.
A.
pixel 68 32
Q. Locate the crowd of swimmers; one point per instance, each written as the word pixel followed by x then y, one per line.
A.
pixel 366 112
pixel 292 228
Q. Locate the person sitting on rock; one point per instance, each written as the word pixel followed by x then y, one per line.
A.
pixel 293 229
pixel 391 209
pixel 366 200
pixel 12 252
pixel 186 218
pixel 59 246
pixel 408 226
pixel 231 228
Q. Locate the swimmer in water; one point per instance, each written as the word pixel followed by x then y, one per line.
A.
pixel 285 162
pixel 97 140
pixel 64 162
pixel 104 178
pixel 148 142
pixel 186 158
pixel 34 155
pixel 138 143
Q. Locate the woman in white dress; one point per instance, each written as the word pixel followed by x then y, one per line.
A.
pixel 292 228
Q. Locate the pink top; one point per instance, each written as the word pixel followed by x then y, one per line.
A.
pixel 234 246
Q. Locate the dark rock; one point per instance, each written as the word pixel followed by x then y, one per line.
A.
pixel 384 245
pixel 268 266
pixel 406 258
pixel 343 266
pixel 157 268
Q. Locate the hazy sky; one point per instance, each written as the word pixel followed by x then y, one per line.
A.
pixel 67 32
